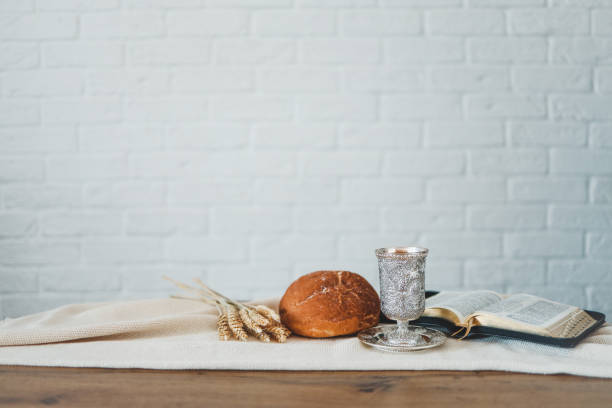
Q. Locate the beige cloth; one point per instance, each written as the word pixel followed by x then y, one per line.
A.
pixel 181 334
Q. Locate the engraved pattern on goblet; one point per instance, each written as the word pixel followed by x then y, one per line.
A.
pixel 402 286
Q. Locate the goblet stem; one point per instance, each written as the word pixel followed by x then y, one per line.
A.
pixel 402 329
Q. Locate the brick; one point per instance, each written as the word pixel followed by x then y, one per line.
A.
pixel 581 107
pixel 505 3
pixel 500 49
pixel 77 5
pixel 385 79
pixel 124 194
pixel 298 79
pixel 21 170
pixel 581 217
pixel 26 140
pixel 599 298
pixel 599 245
pixel 250 3
pixel 505 161
pixel 43 83
pixel 603 80
pixel 335 3
pixel 289 23
pixel 420 3
pixel 166 109
pixel 243 220
pixel 470 22
pixel 361 246
pixel 81 279
pixel 462 245
pixel 214 164
pixel 424 50
pixel 506 217
pixel 266 278
pixel 340 51
pixel 602 22
pixel 299 248
pixel 460 190
pixel 254 51
pixel 548 21
pixel 581 50
pixel 81 223
pixel 141 24
pixel 14 225
pixel 147 278
pixel 22 304
pixel 207 23
pixel 340 163
pixel 442 274
pixel 162 223
pixel 538 189
pixel 582 272
pixel 205 79
pixel 340 220
pixel 86 167
pixel 337 107
pixel 292 136
pixel 551 79
pixel 546 134
pixel 581 161
pixel 18 56
pixel 138 81
pixel 549 243
pixel 16 112
pixel 469 79
pixel 421 107
pixel 41 26
pixel 380 23
pixel 380 136
pixel 18 280
pixel 480 273
pixel 506 106
pixel 78 110
pixel 38 253
pixel 424 162
pixel 206 137
pixel 121 250
pixel 170 52
pixel 120 138
pixel 430 218
pixel 41 196
pixel 206 249
pixel 601 190
pixel 252 107
pixel 459 134
pixel 202 192
pixel 16 5
pixel 357 192
pixel 303 191
pixel 85 54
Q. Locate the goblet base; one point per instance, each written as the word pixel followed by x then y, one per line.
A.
pixel 387 338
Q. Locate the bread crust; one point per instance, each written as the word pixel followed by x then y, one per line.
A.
pixel 329 304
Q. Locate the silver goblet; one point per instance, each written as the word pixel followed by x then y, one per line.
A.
pixel 402 295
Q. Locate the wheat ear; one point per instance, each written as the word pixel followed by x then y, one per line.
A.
pixel 223 328
pixel 268 313
pixel 252 327
pixel 235 323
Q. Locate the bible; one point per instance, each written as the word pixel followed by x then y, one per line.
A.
pixel 518 316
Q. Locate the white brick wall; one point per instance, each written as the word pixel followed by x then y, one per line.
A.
pixel 247 142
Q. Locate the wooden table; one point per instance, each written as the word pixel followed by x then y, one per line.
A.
pixel 81 387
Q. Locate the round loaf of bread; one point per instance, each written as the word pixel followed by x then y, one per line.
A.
pixel 329 303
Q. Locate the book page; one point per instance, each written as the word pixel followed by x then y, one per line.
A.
pixel 462 304
pixel 530 310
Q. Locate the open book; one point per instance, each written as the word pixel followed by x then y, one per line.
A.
pixel 521 313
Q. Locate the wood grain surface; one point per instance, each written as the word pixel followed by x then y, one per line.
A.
pixel 82 387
